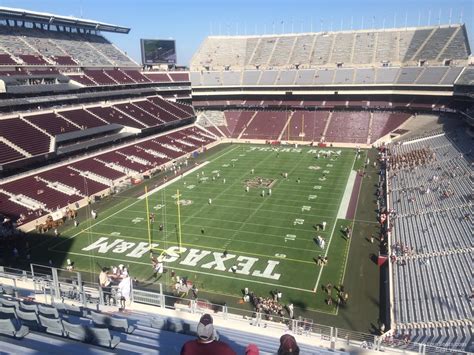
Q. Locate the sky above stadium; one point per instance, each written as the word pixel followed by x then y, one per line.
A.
pixel 190 21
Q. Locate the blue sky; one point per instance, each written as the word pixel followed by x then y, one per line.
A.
pixel 190 21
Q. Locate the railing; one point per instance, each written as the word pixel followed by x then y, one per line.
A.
pixel 53 284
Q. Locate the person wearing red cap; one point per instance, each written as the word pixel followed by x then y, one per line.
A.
pixel 252 349
pixel 288 345
pixel 206 343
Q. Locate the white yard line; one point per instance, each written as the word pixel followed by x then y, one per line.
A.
pixel 283 229
pixel 92 225
pixel 123 209
pixel 250 209
pixel 219 238
pixel 172 181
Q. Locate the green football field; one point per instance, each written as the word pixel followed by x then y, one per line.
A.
pixel 241 239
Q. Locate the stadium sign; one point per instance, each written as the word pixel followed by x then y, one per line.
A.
pixel 205 259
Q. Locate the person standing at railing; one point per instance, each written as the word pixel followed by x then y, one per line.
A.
pixel 124 290
pixel 104 282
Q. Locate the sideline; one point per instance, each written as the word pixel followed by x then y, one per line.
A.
pixel 346 198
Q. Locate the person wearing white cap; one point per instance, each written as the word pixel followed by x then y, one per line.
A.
pixel 206 342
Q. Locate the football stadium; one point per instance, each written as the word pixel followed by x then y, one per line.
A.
pixel 285 192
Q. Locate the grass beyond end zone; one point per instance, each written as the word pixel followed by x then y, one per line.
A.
pixel 274 231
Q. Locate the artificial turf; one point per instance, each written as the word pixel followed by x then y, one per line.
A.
pixel 263 229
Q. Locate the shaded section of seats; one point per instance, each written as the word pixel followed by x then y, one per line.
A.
pixel 25 136
pixel 8 154
pixel 11 209
pixel 383 123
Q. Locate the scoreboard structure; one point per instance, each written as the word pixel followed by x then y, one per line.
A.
pixel 158 51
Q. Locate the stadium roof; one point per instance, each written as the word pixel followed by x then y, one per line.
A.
pixel 9 13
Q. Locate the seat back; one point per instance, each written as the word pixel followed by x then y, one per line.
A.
pixel 48 311
pixel 7 327
pixel 101 334
pixel 28 307
pixel 27 316
pixel 7 313
pixel 52 325
pixel 100 320
pixel 61 307
pixel 119 323
pixel 75 331
pixel 72 309
pixel 8 302
pixel 29 319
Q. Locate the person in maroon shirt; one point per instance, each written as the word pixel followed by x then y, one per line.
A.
pixel 206 344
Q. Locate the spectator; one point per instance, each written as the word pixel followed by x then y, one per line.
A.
pixel 70 265
pixel 291 310
pixel 206 343
pixel 288 345
pixel 124 289
pixel 252 349
pixel 104 283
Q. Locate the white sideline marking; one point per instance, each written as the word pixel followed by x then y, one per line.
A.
pixel 330 239
pixel 151 192
pixel 346 198
pixel 350 239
